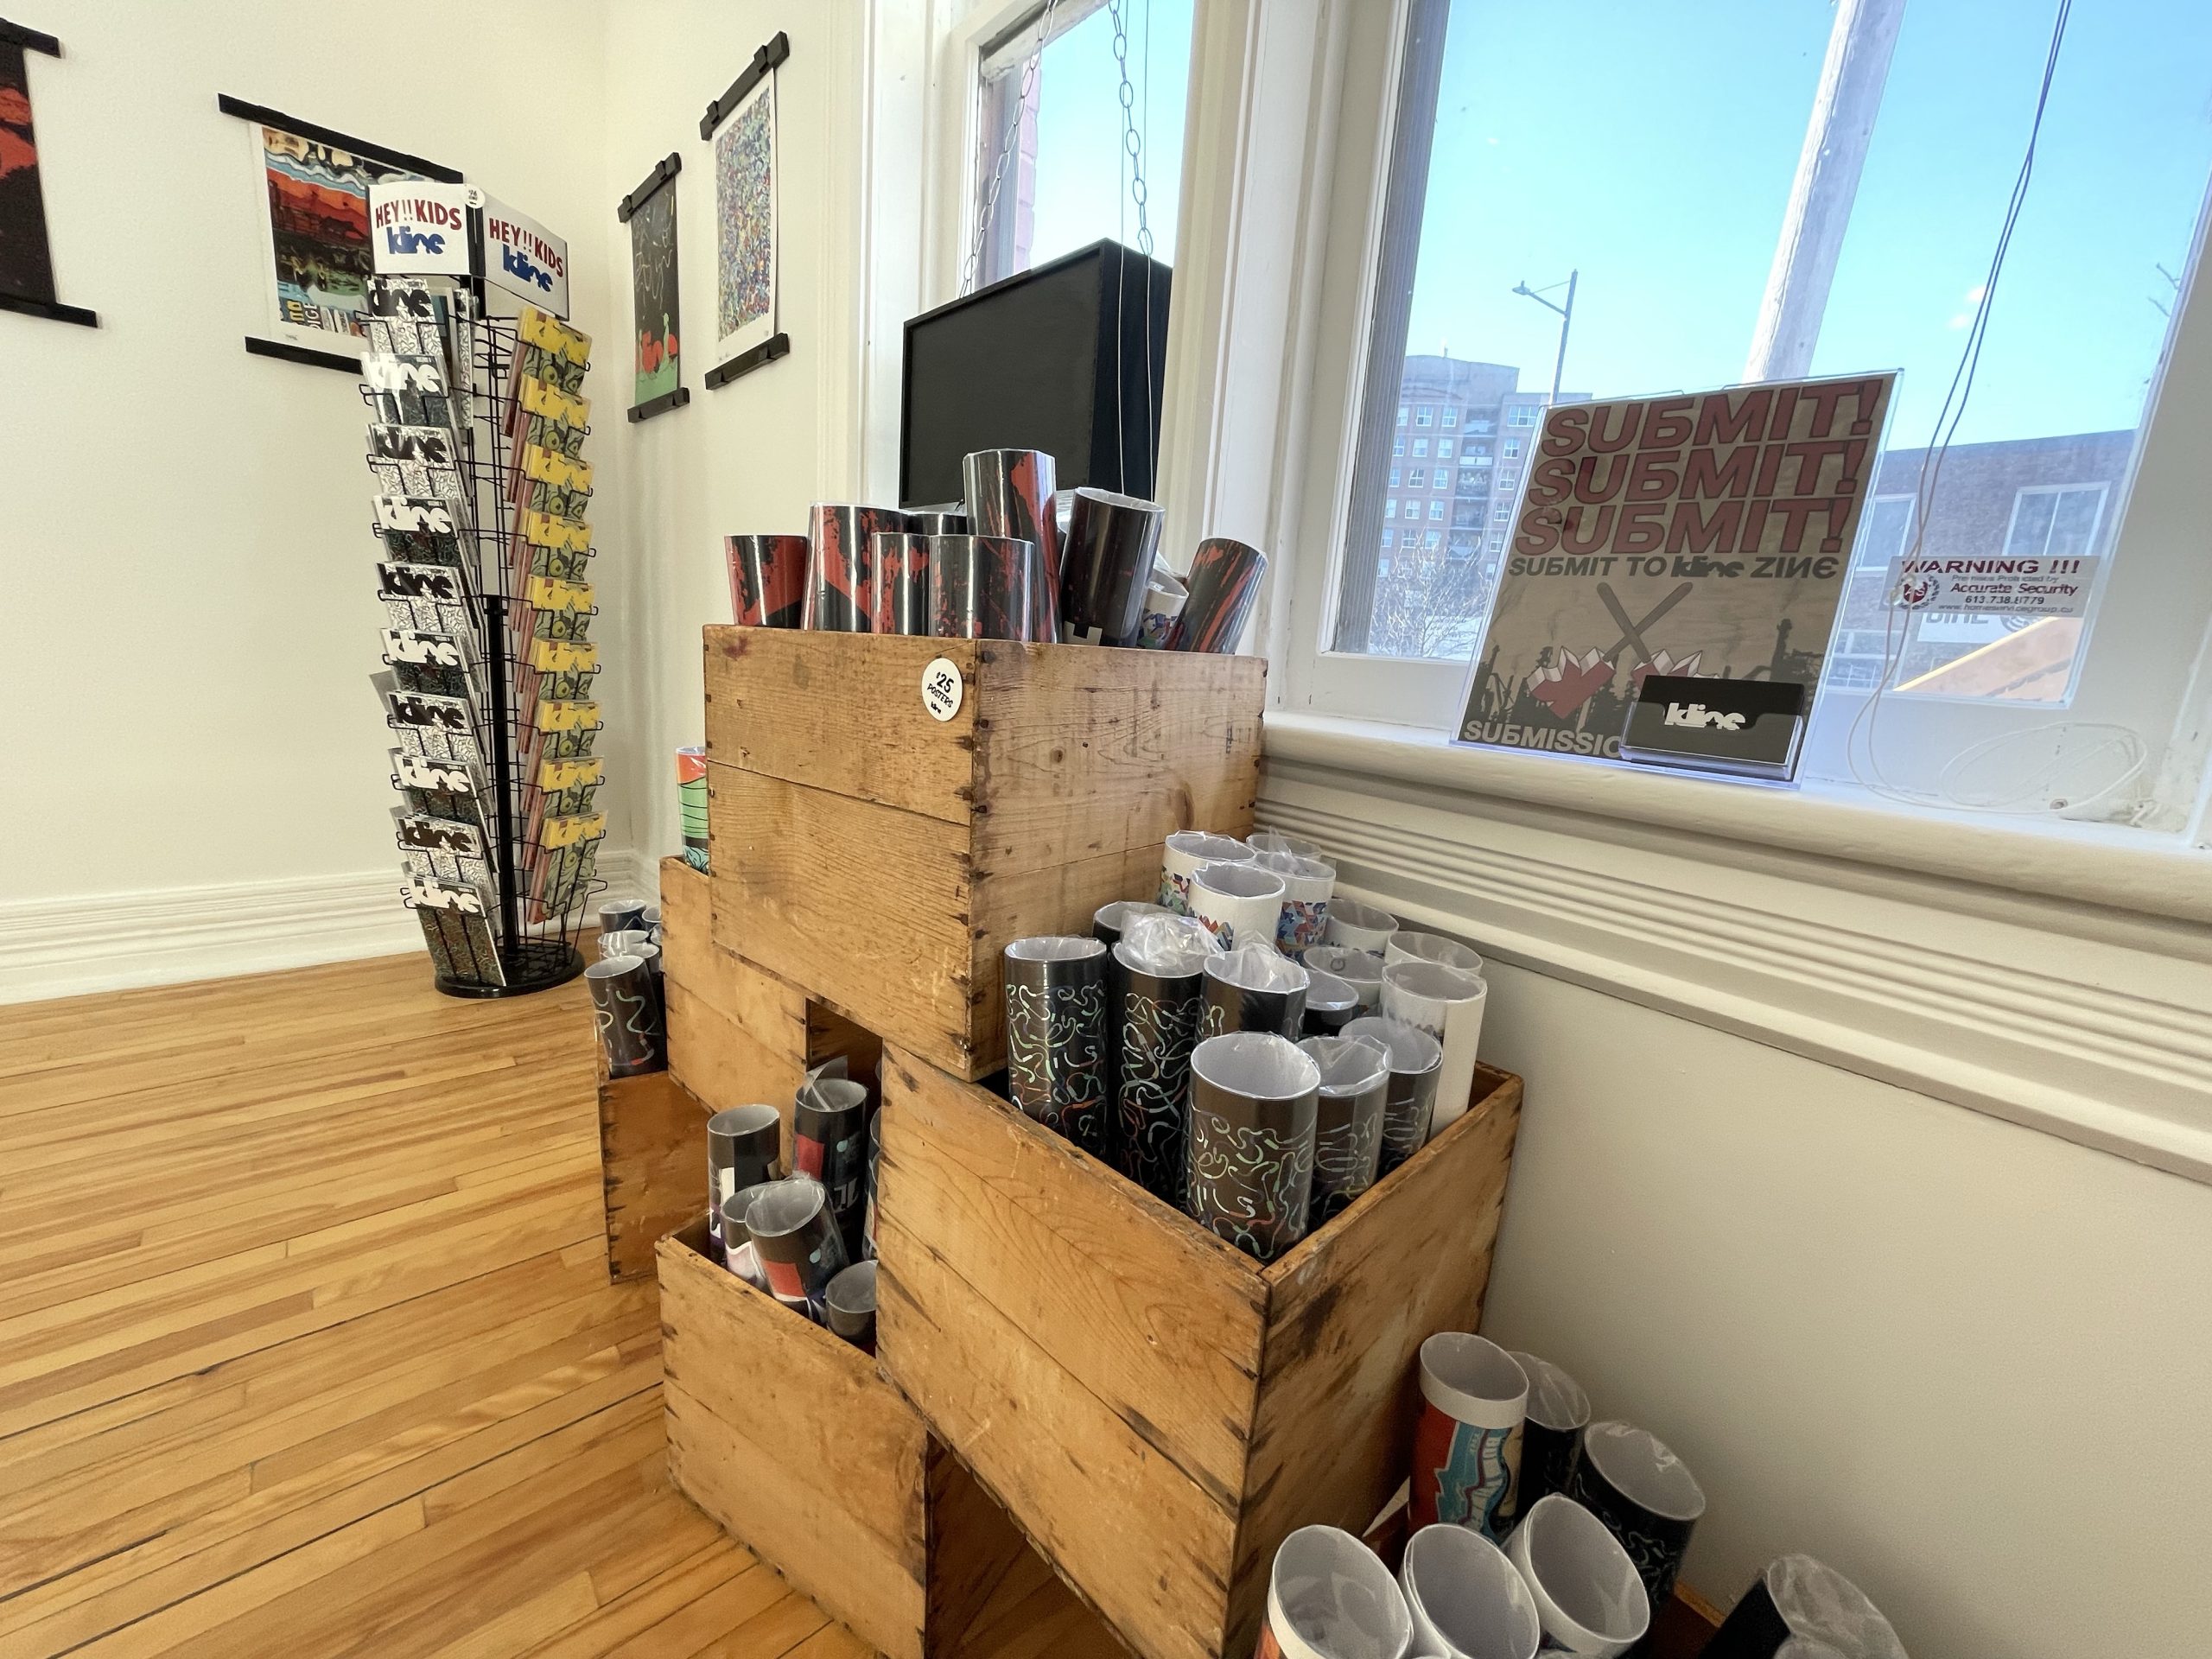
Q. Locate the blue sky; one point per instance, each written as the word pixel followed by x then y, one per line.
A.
pixel 1083 193
pixel 1651 145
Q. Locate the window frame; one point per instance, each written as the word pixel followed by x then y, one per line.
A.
pixel 2154 586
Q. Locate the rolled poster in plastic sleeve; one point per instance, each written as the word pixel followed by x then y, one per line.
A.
pixel 1348 1120
pixel 1056 1035
pixel 1331 1004
pixel 1242 903
pixel 797 1242
pixel 1551 1441
pixel 628 1007
pixel 1588 1598
pixel 1416 1059
pixel 744 1147
pixel 1645 1495
pixel 1254 988
pixel 1800 1600
pixel 1361 969
pixel 1308 885
pixel 1254 1105
pixel 1186 850
pixel 1010 493
pixel 1106 566
pixel 830 1120
pixel 1361 927
pixel 1447 1003
pixel 1330 1598
pixel 1165 595
pixel 1160 964
pixel 898 583
pixel 1224 582
pixel 1466 1600
pixel 839 573
pixel 767 580
pixel 1467 1444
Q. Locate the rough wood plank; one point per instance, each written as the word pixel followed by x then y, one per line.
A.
pixel 1148 1311
pixel 842 712
pixel 1083 754
pixel 788 1518
pixel 686 920
pixel 1146 1547
pixel 1348 1311
pixel 788 1436
pixel 723 1062
pixel 653 1149
pixel 865 905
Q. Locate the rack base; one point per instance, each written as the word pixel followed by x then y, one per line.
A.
pixel 532 965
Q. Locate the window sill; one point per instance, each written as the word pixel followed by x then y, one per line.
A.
pixel 2097 864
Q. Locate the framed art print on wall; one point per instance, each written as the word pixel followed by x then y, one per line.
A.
pixel 312 184
pixel 26 252
pixel 741 125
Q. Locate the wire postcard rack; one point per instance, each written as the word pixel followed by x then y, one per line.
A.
pixel 475 441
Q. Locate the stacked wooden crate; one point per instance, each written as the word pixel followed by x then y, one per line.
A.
pixel 1150 1409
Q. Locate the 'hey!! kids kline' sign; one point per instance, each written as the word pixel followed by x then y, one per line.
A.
pixel 1706 533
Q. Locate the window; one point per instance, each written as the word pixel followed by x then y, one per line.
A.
pixel 1401 414
pixel 1429 540
pixel 1393 478
pixel 1423 416
pixel 1052 171
pixel 1389 535
pixel 1436 509
pixel 1444 478
pixel 1390 508
pixel 1420 445
pixel 1444 447
pixel 1418 478
pixel 1398 446
pixel 1471 202
pixel 1451 416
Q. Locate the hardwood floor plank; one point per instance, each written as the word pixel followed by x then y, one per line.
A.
pixel 346 1377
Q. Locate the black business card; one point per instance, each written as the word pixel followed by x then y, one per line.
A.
pixel 1752 727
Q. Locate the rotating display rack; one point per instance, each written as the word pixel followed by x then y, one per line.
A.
pixel 475 443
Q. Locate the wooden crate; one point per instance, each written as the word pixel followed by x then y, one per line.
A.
pixel 883 859
pixel 738 1033
pixel 652 1163
pixel 789 1438
pixel 1155 1408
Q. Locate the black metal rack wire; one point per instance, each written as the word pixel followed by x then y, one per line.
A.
pixel 539 892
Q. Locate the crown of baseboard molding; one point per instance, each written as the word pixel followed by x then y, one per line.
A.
pixel 117 941
pixel 2105 1041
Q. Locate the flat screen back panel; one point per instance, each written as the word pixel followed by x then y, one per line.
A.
pixel 1034 363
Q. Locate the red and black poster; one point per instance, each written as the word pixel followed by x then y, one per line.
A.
pixel 1705 534
pixel 26 255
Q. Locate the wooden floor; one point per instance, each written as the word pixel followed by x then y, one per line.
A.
pixel 307 1345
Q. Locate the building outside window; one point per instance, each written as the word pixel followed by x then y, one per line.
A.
pixel 2096 279
pixel 1424 415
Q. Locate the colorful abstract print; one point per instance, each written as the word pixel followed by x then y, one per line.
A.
pixel 745 205
pixel 1056 1059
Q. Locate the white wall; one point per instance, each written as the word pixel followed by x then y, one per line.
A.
pixel 183 527
pixel 1965 1361
pixel 750 456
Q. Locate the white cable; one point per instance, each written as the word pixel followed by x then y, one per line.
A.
pixel 2038 794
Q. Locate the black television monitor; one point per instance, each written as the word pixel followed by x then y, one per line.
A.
pixel 1069 358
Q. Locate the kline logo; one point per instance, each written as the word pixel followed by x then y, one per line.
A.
pixel 405 238
pixel 1698 716
pixel 516 263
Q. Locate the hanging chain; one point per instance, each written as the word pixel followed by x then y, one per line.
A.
pixel 990 208
pixel 1132 132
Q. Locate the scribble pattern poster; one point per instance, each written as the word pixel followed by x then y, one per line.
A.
pixel 318 244
pixel 745 215
pixel 652 288
pixel 26 261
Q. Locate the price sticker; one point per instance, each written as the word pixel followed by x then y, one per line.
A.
pixel 943 688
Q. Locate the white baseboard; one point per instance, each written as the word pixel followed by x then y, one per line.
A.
pixel 115 941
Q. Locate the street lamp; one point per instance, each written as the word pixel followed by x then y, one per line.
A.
pixel 1566 322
